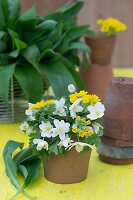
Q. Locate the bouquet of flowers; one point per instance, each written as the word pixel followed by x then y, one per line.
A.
pixel 56 126
pixel 111 26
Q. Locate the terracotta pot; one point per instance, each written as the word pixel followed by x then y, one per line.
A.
pixel 117 141
pixel 102 48
pixel 118 118
pixel 97 79
pixel 67 169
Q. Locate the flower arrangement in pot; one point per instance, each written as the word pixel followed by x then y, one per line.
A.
pixel 103 44
pixel 39 48
pixel 62 130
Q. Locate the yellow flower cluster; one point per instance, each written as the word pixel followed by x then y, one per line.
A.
pixel 41 104
pixel 86 98
pixel 111 26
pixel 86 131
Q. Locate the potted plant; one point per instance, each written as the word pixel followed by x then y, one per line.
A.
pixel 102 46
pixel 39 52
pixel 63 132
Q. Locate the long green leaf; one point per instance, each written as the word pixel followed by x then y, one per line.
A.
pixel 32 55
pixel 20 45
pixel 59 77
pixel 30 81
pixel 5 76
pixel 14 36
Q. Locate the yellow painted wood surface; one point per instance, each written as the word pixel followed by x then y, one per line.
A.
pixel 104 181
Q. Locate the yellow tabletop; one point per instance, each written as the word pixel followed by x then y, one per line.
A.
pixel 104 181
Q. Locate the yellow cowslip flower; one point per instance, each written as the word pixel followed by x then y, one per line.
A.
pixel 78 117
pixel 94 98
pixel 82 133
pixel 86 98
pixel 83 120
pixel 32 107
pixel 74 129
pixel 81 93
pixel 41 104
pixel 49 102
pixel 90 132
pixel 73 98
pixel 85 129
pixel 99 21
pixel 111 26
pixel 88 122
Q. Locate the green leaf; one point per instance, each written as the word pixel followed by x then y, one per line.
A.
pixel 3 13
pixel 59 77
pixel 5 76
pixel 14 36
pixel 11 167
pixel 32 55
pixel 85 60
pixel 79 81
pixel 2 33
pixel 14 54
pixel 71 12
pixel 30 171
pixel 80 46
pixel 49 54
pixel 20 45
pixel 14 12
pixel 30 81
pixel 54 148
pixel 2 46
pixel 29 18
pixel 56 33
pixel 41 29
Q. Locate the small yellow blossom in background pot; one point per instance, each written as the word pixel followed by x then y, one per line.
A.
pixel 111 26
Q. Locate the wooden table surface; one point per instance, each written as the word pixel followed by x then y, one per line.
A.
pixel 104 181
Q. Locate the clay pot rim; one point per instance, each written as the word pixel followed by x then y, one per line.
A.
pixel 122 79
pixel 99 36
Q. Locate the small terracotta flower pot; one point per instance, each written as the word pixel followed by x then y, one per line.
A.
pixel 67 169
pixel 97 79
pixel 102 48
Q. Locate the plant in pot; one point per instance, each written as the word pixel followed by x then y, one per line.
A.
pixel 102 46
pixel 63 132
pixel 37 52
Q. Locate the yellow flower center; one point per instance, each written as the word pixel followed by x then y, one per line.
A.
pixel 47 128
pixel 88 122
pixel 78 117
pixel 60 131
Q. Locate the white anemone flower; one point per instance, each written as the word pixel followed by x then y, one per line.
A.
pixel 66 142
pixel 24 126
pixel 96 127
pixel 41 144
pixel 29 131
pixel 96 111
pixel 71 88
pixel 79 146
pixel 75 108
pixel 60 105
pixel 46 129
pixel 30 112
pixel 61 128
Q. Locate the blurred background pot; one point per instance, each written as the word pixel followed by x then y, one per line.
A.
pixel 117 141
pixel 67 169
pixel 102 48
pixel 97 79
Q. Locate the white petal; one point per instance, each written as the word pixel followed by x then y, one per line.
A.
pixel 62 136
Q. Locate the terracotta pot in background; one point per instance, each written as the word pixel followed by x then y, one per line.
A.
pixel 67 169
pixel 117 141
pixel 102 48
pixel 97 79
